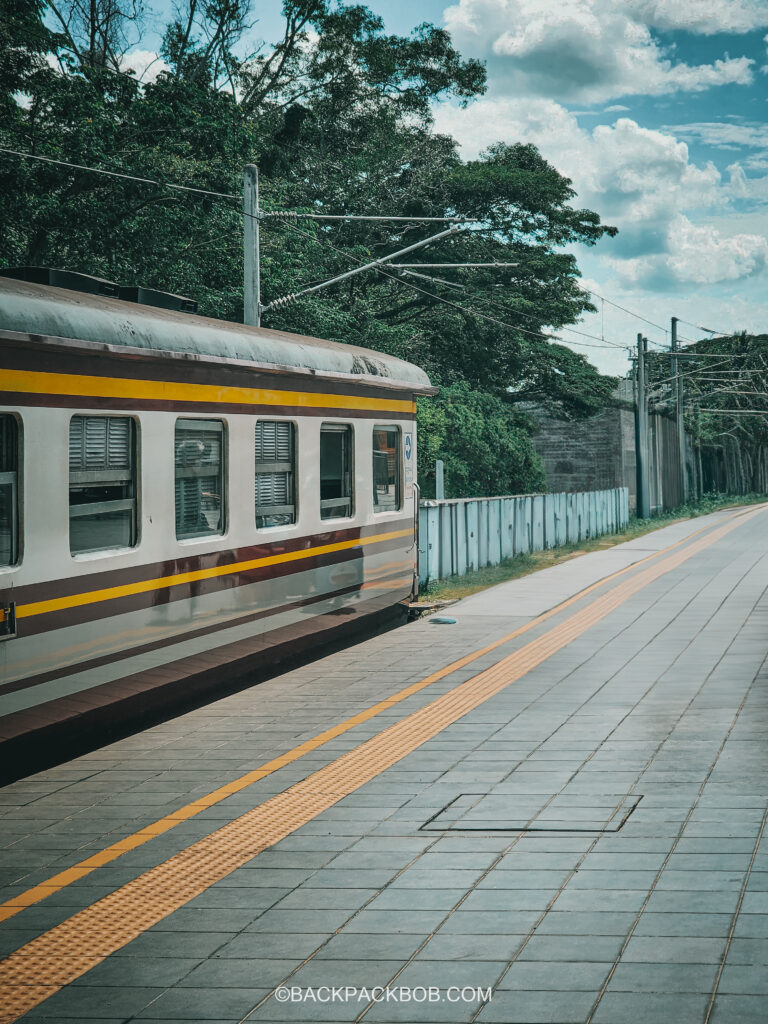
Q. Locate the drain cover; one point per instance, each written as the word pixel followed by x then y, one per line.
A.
pixel 501 812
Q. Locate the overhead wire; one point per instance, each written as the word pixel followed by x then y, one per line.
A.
pixel 630 312
pixel 285 217
pixel 278 215
pixel 704 330
pixel 117 174
pixel 439 298
pixel 688 373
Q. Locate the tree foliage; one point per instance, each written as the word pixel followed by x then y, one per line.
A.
pixel 483 442
pixel 337 113
pixel 725 402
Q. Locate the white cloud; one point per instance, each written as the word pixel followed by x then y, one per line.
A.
pixel 586 51
pixel 700 255
pixel 146 64
pixel 635 176
pixel 724 135
pixel 641 180
pixel 705 17
pixel 739 183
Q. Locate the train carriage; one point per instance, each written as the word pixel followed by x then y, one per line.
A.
pixel 182 499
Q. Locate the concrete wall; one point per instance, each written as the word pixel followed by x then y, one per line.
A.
pixel 599 452
pixel 462 534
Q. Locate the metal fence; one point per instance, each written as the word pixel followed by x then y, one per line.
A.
pixel 461 534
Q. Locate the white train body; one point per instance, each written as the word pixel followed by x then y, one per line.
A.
pixel 183 499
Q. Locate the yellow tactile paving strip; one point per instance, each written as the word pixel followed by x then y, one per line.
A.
pixel 64 878
pixel 46 964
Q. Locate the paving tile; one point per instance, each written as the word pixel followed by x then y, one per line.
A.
pixel 574 922
pixel 357 972
pixel 752 926
pixel 280 921
pixel 464 946
pixel 138 971
pixel 414 899
pixel 490 922
pixel 326 899
pixel 700 925
pixel 563 976
pixel 231 972
pixel 589 948
pixel 544 1007
pixel 505 879
pixel 648 1008
pixel 692 902
pixel 418 922
pixel 739 1009
pixel 189 1004
pixel 81 1003
pixel 175 944
pixel 600 900
pixel 743 980
pixel 664 978
pixel 241 899
pixel 349 946
pixel 508 899
pixel 662 949
pixel 613 880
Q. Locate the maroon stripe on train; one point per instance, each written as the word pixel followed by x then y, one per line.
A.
pixel 178 638
pixel 90 360
pixel 109 607
pixel 67 587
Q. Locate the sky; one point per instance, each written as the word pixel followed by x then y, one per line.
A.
pixel 657 110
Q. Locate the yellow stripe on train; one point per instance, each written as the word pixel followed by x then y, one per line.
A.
pixel 179 579
pixel 34 382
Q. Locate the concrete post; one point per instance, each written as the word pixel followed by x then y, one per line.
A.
pixel 251 260
pixel 641 433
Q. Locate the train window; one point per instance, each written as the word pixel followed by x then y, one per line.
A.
pixel 386 469
pixel 9 490
pixel 102 483
pixel 275 493
pixel 199 462
pixel 336 470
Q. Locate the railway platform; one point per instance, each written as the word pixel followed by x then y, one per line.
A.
pixel 553 810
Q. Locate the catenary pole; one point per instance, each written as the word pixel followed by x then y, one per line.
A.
pixel 251 260
pixel 641 433
pixel 679 414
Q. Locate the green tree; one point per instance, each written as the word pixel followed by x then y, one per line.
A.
pixel 485 445
pixel 338 115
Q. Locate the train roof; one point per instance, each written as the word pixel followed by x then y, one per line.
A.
pixel 43 312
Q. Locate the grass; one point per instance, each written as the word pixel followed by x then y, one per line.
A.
pixel 456 587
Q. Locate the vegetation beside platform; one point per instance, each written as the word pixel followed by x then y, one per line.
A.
pixel 456 587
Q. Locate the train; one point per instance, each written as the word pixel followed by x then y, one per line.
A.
pixel 183 501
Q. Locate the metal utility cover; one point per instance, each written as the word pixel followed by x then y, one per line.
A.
pixel 500 812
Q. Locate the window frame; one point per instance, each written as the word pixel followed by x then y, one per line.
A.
pixel 345 430
pixel 14 478
pixel 291 468
pixel 201 423
pixel 132 476
pixel 398 468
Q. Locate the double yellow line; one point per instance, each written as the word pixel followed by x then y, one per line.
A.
pixel 58 957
